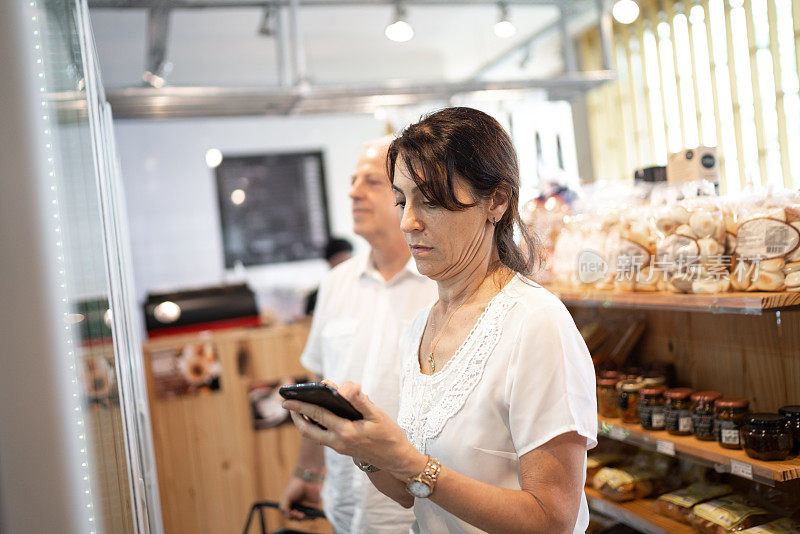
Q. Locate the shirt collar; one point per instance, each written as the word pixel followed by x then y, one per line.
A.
pixel 366 268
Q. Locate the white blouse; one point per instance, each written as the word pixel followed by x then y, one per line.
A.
pixel 521 377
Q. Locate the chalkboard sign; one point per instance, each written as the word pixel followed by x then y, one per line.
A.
pixel 272 207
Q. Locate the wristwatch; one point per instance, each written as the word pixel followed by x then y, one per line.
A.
pixel 422 485
pixel 308 475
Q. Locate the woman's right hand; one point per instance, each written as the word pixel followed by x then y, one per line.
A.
pixel 300 492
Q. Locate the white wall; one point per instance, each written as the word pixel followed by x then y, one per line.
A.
pixel 171 194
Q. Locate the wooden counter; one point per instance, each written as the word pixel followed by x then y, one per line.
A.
pixel 212 464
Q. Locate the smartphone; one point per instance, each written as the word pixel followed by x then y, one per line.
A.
pixel 321 395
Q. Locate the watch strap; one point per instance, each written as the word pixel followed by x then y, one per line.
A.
pixel 429 474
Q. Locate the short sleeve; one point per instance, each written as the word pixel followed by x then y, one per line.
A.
pixel 550 386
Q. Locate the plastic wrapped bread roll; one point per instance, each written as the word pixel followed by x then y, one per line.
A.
pixel 709 248
pixel 770 281
pixel 742 276
pixel 792 280
pixel 702 223
pixel 774 264
pixel 647 279
pixel 679 214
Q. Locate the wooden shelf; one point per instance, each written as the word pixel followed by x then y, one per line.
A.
pixel 707 452
pixel 637 514
pixel 751 303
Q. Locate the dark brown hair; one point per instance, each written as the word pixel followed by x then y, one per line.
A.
pixel 472 145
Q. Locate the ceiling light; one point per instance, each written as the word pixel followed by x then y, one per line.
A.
pixel 625 11
pixel 238 196
pixel 399 31
pixel 213 158
pixel 504 28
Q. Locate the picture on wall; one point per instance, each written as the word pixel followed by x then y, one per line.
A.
pixel 272 208
pixel 193 369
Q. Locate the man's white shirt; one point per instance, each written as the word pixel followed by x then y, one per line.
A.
pixel 354 336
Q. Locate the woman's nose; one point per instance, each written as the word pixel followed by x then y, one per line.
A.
pixel 409 221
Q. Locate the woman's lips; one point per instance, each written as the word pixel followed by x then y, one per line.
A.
pixel 419 249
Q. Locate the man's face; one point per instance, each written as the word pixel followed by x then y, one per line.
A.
pixel 374 210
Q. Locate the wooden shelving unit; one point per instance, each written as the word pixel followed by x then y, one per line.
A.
pixel 707 452
pixel 638 514
pixel 751 303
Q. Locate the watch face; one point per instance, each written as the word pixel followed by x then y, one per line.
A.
pixel 419 489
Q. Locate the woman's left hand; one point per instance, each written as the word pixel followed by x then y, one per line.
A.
pixel 376 439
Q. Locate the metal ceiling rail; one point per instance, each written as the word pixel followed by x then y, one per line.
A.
pixel 188 102
pixel 205 4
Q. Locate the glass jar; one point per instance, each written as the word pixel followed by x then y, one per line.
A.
pixel 651 381
pixel 703 414
pixel 607 397
pixel 678 411
pixel 651 408
pixel 730 414
pixel 766 436
pixel 792 415
pixel 628 400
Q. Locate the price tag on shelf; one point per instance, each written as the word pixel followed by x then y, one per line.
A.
pixel 618 433
pixel 665 447
pixel 742 469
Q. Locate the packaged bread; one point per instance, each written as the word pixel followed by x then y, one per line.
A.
pixel 767 239
pixel 599 460
pixel 691 245
pixel 784 525
pixel 678 504
pixel 727 514
pixel 625 483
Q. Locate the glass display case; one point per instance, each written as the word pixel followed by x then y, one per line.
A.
pixel 75 445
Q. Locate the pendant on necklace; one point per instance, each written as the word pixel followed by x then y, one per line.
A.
pixel 430 361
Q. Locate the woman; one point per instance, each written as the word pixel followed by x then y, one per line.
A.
pixel 497 403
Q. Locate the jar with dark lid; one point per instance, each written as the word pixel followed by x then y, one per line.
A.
pixel 607 397
pixel 651 408
pixel 792 415
pixel 703 414
pixel 628 400
pixel 766 436
pixel 678 411
pixel 730 414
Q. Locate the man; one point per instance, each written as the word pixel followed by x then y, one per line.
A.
pixel 363 305
pixel 336 251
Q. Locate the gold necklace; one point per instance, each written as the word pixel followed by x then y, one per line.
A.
pixel 435 342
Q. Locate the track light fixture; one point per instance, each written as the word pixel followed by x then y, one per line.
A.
pixel 504 28
pixel 399 30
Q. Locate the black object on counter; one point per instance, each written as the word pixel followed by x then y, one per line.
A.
pixel 650 174
pixel 200 309
pixel 703 414
pixel 792 415
pixel 766 436
pixel 678 411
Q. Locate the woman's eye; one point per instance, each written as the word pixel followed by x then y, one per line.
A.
pixel 400 203
pixel 429 204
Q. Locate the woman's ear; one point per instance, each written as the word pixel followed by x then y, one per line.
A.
pixel 498 204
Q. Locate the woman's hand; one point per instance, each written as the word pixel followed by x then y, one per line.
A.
pixel 376 439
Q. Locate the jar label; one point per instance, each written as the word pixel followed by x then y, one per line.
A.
pixel 685 423
pixel 729 436
pixel 766 238
pixel 658 419
pixel 703 424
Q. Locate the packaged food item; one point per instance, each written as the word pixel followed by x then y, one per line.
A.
pixel 784 525
pixel 607 397
pixel 766 436
pixel 625 483
pixel 598 460
pixel 703 414
pixel 678 411
pixel 628 400
pixel 651 407
pixel 678 504
pixel 730 415
pixel 727 514
pixel 792 415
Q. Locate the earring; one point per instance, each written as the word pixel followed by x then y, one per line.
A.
pixel 494 221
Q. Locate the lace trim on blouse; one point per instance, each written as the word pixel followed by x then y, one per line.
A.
pixel 427 402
